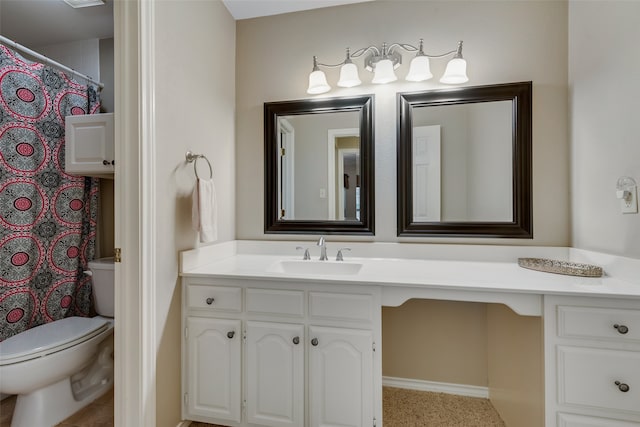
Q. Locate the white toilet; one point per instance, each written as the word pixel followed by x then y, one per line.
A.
pixel 59 367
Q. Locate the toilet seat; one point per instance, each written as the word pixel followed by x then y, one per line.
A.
pixel 50 338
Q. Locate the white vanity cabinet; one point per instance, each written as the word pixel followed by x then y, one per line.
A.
pixel 592 357
pixel 340 377
pixel 212 356
pixel 275 374
pixel 265 353
pixel 214 368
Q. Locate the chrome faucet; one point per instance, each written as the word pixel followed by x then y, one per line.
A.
pixel 323 248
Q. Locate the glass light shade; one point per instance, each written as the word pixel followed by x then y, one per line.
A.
pixel 456 72
pixel 318 83
pixel 419 69
pixel 349 76
pixel 383 72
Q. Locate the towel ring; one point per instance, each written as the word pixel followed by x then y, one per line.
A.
pixel 193 158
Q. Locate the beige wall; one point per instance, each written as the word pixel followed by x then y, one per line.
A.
pixel 444 341
pixel 604 93
pixel 515 366
pixel 504 41
pixel 194 110
pixel 106 222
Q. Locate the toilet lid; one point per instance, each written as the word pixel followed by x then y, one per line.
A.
pixel 49 338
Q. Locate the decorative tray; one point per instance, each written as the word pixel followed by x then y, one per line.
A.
pixel 560 267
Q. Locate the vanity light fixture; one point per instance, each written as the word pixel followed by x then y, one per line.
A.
pixel 382 62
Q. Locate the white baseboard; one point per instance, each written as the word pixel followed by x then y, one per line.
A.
pixel 437 387
pixel 185 423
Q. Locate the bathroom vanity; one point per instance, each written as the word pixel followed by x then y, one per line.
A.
pixel 270 339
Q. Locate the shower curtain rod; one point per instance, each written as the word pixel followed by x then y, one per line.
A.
pixel 49 61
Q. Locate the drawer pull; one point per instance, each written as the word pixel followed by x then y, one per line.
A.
pixel 622 386
pixel 621 328
pixel 314 342
pixel 231 334
pixel 210 301
pixel 296 340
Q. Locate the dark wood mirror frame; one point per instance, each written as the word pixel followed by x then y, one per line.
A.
pixel 520 94
pixel 272 110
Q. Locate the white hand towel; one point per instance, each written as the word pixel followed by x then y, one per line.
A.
pixel 204 212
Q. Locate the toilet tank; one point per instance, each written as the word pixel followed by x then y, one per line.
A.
pixel 103 285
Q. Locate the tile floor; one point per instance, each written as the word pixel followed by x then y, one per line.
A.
pixel 97 414
pixel 402 408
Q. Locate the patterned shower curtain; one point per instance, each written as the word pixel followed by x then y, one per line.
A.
pixel 47 218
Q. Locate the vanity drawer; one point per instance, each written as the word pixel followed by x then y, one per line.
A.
pixel 591 322
pixel 572 420
pixel 274 301
pixel 216 298
pixel 588 376
pixel 337 306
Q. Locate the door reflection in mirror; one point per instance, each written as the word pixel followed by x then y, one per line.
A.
pixel 463 162
pixel 318 155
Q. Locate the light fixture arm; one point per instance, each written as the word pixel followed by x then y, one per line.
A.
pixel 410 48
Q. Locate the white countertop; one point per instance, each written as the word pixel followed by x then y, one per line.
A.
pixel 446 267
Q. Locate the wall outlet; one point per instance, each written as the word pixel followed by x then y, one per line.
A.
pixel 630 204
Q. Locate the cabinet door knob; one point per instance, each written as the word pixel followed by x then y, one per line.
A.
pixel 106 162
pixel 314 342
pixel 622 386
pixel 210 301
pixel 296 340
pixel 231 334
pixel 621 328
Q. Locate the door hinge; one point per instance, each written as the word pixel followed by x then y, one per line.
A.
pixel 373 346
pixel 282 151
pixel 374 421
pixel 244 336
pixel 186 333
pixel 282 212
pixel 116 254
pixel 186 399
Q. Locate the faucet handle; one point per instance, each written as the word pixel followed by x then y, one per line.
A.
pixel 321 241
pixel 306 255
pixel 339 255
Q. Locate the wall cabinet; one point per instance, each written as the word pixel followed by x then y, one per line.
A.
pixel 592 357
pixel 89 145
pixel 280 354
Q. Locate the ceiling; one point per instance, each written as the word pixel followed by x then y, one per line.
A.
pixel 36 23
pixel 243 9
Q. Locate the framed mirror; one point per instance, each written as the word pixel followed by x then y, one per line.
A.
pixel 464 162
pixel 319 159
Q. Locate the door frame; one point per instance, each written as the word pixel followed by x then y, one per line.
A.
pixel 134 197
pixel 332 135
pixel 286 130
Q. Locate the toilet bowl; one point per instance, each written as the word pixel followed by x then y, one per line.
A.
pixel 59 367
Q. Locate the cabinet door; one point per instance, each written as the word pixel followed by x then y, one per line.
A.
pixel 89 144
pixel 213 368
pixel 275 374
pixel 340 377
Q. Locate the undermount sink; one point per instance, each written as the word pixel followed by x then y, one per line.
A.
pixel 315 267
